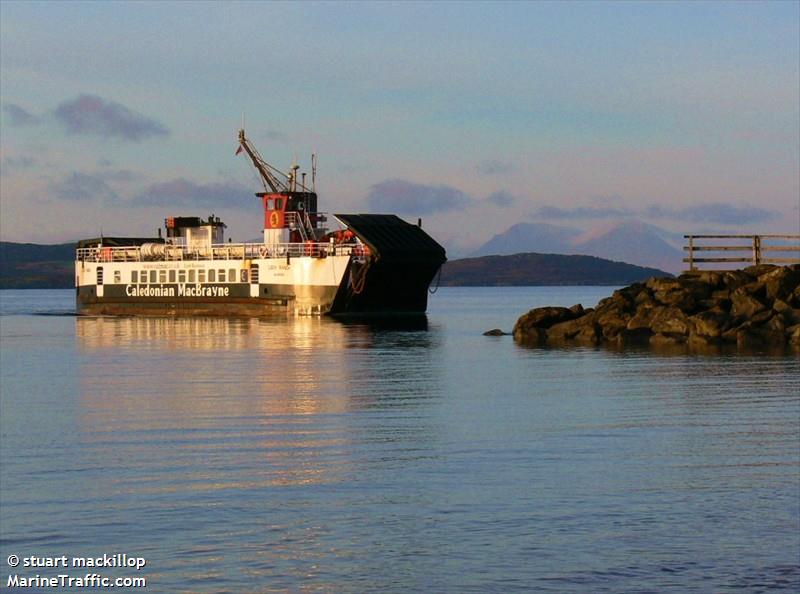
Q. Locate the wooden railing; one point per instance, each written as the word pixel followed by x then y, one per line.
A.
pixel 759 249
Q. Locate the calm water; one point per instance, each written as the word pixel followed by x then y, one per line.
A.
pixel 313 456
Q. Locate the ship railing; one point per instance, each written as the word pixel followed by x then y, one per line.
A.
pixel 222 251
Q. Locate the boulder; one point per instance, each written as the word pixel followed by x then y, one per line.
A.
pixel 744 305
pixel 544 317
pixel 793 336
pixel 680 298
pixel 643 317
pixel 780 283
pixel 495 332
pixel 711 323
pixel 671 320
pixel 667 339
pixel 790 315
pixel 539 318
pixel 634 337
pixel 577 309
pixel 758 270
pixel 584 325
pixel 734 280
pixel 531 336
pixel 758 307
pixel 612 321
pixel 656 284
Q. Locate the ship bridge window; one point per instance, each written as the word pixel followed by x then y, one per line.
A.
pixel 192 274
pixel 153 277
pixel 134 276
pixel 181 276
pixel 162 276
pixel 221 272
pixel 231 275
pixel 212 276
pixel 201 276
pixel 117 277
pixel 172 276
pixel 99 275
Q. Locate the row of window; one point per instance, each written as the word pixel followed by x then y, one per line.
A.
pixel 186 276
pixel 220 275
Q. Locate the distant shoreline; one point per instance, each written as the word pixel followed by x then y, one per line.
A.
pixel 40 266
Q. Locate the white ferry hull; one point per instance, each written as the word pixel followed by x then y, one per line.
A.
pixel 300 286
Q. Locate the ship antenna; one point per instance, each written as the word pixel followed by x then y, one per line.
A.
pixel 313 172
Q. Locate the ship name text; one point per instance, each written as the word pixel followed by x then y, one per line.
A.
pixel 184 290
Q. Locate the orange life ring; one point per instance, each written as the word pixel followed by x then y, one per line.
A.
pixel 274 219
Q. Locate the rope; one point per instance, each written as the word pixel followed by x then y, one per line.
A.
pixel 357 284
pixel 438 278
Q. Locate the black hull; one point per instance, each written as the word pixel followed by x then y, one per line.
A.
pixel 384 289
pixel 395 278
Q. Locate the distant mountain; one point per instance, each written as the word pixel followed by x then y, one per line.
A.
pixel 530 237
pixel 36 266
pixel 542 269
pixel 633 242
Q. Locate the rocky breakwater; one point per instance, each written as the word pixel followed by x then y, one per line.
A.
pixel 758 307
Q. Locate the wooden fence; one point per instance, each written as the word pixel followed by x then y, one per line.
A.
pixel 758 249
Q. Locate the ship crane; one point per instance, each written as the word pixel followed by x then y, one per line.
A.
pixel 288 203
pixel 272 178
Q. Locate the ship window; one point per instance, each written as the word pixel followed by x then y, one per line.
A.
pixel 191 276
pixel 221 275
pixel 99 275
pixel 270 204
pixel 254 274
pixel 172 276
pixel 181 276
pixel 279 204
pixel 231 275
pixel 162 276
pixel 212 276
pixel 153 276
pixel 117 277
pixel 134 276
pixel 201 276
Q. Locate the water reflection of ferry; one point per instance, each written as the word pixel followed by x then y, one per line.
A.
pixel 261 401
pixel 368 264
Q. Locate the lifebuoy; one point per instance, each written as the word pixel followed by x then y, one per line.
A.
pixel 263 252
pixel 274 219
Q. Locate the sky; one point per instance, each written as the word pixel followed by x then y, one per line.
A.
pixel 471 116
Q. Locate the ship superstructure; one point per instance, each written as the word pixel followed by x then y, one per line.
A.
pixel 308 262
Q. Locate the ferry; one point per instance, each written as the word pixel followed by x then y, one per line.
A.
pixel 309 262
